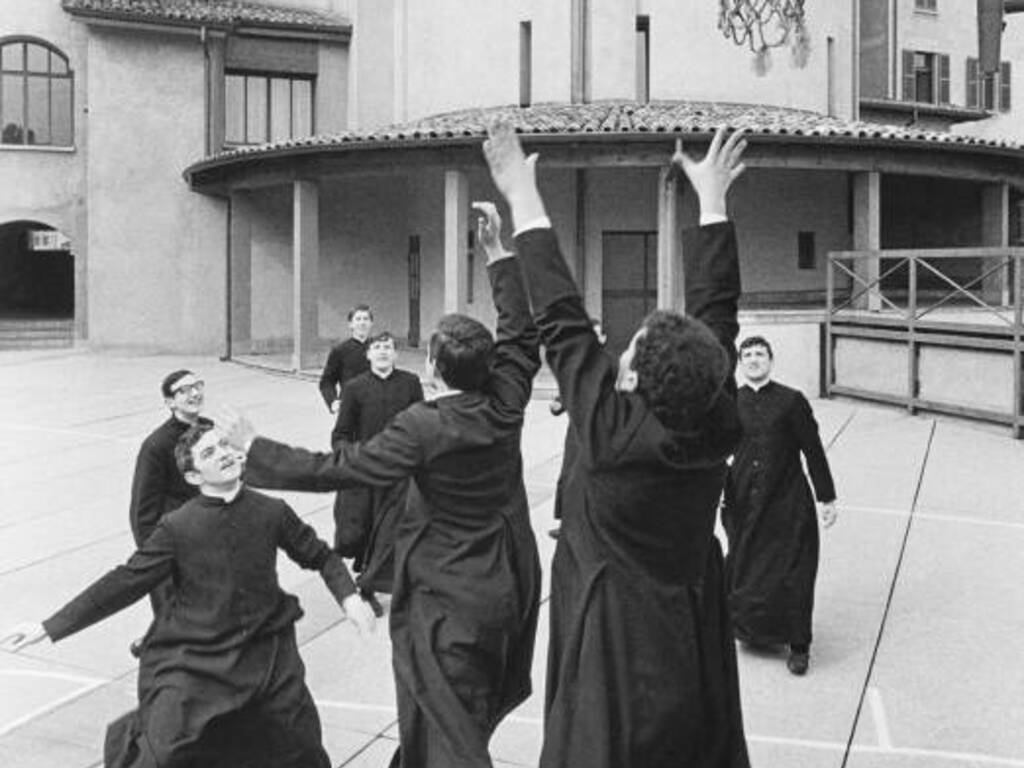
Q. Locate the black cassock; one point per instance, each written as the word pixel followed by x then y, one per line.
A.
pixel 641 663
pixel 467 575
pixel 365 518
pixel 223 644
pixel 769 516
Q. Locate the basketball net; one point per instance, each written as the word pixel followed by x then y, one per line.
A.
pixel 765 24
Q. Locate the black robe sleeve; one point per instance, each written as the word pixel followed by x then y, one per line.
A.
pixel 346 428
pixel 149 566
pixel 379 462
pixel 306 549
pixel 148 493
pixel 805 428
pixel 516 351
pixel 330 377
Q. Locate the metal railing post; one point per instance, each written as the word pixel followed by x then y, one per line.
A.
pixel 913 386
pixel 830 284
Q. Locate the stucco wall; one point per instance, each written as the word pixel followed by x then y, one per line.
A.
pixel 157 274
pixel 48 184
pixel 415 59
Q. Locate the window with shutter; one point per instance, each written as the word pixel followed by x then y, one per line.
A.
pixel 1004 87
pixel 972 83
pixel 908 76
pixel 943 79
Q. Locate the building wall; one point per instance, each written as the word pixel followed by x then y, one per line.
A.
pixel 157 266
pixel 47 184
pixel 418 59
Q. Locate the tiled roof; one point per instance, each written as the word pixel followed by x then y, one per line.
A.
pixel 216 13
pixel 626 118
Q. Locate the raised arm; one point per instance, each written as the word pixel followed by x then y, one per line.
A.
pixel 149 566
pixel 389 456
pixel 516 350
pixel 301 543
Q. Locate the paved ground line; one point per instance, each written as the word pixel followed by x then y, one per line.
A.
pixel 878 715
pixel 48 708
pixel 889 596
pixel 933 516
pixel 53 676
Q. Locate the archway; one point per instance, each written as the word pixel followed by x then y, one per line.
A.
pixel 37 272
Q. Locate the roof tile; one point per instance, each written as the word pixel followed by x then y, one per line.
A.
pixel 213 12
pixel 628 117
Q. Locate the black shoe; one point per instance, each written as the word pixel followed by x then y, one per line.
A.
pixel 798 662
pixel 554 533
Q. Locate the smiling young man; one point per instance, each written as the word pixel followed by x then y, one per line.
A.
pixel 768 511
pixel 347 359
pixel 365 517
pixel 226 643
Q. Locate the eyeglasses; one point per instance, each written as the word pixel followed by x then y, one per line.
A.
pixel 195 388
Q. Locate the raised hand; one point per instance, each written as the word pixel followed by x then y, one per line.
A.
pixel 488 231
pixel 712 176
pixel 236 428
pixel 22 636
pixel 513 172
pixel 359 612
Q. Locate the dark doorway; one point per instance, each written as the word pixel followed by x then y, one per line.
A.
pixel 629 269
pixel 37 272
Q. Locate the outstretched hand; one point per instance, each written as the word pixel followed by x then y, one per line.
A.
pixel 488 231
pixel 236 428
pixel 513 172
pixel 712 176
pixel 360 613
pixel 22 636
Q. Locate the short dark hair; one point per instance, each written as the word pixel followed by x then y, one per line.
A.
pixel 461 349
pixel 757 341
pixel 167 385
pixel 681 368
pixel 183 448
pixel 360 308
pixel 379 337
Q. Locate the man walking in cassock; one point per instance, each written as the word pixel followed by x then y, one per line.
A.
pixel 769 514
pixel 466 590
pixel 641 663
pixel 348 358
pixel 368 403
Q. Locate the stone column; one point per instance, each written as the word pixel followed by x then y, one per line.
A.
pixel 995 233
pixel 456 223
pixel 240 287
pixel 670 242
pixel 305 272
pixel 867 234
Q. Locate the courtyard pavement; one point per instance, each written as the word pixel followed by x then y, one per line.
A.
pixel 917 660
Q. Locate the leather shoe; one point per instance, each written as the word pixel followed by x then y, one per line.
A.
pixel 797 662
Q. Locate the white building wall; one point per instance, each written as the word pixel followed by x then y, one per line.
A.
pixel 157 250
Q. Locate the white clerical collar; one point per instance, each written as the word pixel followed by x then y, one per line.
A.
pixel 760 386
pixel 382 376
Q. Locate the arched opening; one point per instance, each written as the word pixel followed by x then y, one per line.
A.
pixel 37 272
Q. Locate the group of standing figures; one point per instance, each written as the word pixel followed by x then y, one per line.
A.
pixel 642 668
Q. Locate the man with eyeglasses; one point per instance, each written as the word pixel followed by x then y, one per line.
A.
pixel 158 487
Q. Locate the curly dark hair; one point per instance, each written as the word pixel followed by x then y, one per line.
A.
pixel 680 366
pixel 461 349
pixel 183 449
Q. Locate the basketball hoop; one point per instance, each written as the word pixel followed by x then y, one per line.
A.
pixel 765 24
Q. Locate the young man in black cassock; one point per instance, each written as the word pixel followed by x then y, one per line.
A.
pixel 226 643
pixel 347 359
pixel 768 511
pixel 466 588
pixel 641 662
pixel 369 515
pixel 158 487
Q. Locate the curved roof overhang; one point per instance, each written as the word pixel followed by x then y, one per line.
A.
pixel 617 134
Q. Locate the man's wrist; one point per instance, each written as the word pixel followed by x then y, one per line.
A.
pixel 713 207
pixel 525 205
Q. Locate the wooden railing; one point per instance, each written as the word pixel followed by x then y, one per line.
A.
pixel 929 302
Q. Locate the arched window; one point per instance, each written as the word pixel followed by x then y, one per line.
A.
pixel 36 87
